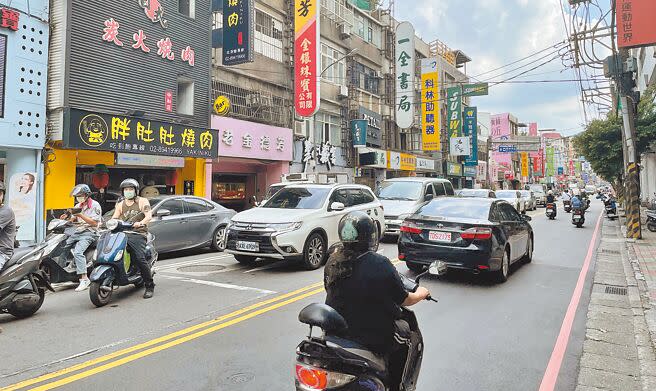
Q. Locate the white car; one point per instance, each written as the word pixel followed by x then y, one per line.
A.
pixel 299 222
pixel 529 199
pixel 514 198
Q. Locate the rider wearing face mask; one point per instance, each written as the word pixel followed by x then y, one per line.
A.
pixel 136 210
pixel 88 220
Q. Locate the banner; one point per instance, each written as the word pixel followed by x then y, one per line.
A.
pixel 635 23
pixel 454 100
pixel 306 57
pixel 470 127
pixel 551 167
pixel 524 162
pixel 571 167
pixel 238 31
pixel 405 75
pixel 459 146
pixel 430 106
pixel 533 129
pixel 359 132
pixel 21 194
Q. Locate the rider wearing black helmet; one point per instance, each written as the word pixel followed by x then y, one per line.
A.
pixel 365 288
pixel 7 228
pixel 136 210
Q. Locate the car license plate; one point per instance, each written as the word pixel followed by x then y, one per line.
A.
pixel 437 236
pixel 577 218
pixel 248 246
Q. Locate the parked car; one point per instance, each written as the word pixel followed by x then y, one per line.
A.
pixel 477 193
pixel 476 234
pixel 514 198
pixel 540 192
pixel 186 222
pixel 402 196
pixel 529 199
pixel 299 222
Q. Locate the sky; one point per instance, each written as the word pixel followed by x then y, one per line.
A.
pixel 494 33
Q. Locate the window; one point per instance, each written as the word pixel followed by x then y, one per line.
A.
pixel 368 30
pixel 217 20
pixel 193 205
pixel 370 35
pixel 429 190
pixel 340 196
pixel 449 188
pixel 298 198
pixel 187 8
pixel 175 206
pixel 333 65
pixel 456 208
pixel 495 214
pixel 328 128
pixel 508 213
pixel 439 187
pixel 360 197
pixel 268 36
pixel 185 96
pixel 400 191
pixel 366 78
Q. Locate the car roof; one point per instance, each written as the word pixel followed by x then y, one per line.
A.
pixel 469 200
pixel 476 190
pixel 417 179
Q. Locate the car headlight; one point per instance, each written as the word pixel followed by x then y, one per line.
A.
pixel 285 226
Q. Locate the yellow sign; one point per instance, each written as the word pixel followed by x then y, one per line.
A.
pixel 524 156
pixel 222 105
pixel 430 113
pixel 408 162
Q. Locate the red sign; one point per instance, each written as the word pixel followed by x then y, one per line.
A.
pixel 306 57
pixel 635 23
pixel 168 100
pixel 533 129
pixel 10 19
pixel 571 167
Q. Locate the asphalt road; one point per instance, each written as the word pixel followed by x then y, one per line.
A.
pixel 216 325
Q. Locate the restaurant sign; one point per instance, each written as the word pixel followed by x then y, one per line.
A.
pixel 119 133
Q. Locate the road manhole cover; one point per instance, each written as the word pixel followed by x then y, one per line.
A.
pixel 201 268
pixel 240 378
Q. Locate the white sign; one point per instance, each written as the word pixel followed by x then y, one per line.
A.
pixel 134 159
pixel 425 164
pixel 459 146
pixel 21 196
pixel 395 160
pixel 405 75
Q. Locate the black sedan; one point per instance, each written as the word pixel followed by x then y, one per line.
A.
pixel 475 234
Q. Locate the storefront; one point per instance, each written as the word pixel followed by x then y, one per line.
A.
pixel 252 156
pixel 428 167
pixel 400 164
pixel 454 174
pixel 372 166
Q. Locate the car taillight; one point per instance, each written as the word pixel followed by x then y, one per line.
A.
pixel 410 228
pixel 311 378
pixel 477 233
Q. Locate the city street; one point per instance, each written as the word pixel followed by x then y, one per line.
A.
pixel 216 325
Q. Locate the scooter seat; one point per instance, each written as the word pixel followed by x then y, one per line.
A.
pixel 323 316
pixel 18 254
pixel 373 359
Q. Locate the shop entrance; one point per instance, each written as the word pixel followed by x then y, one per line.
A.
pixel 234 191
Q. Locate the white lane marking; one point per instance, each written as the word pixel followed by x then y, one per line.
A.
pixel 192 262
pixel 266 267
pixel 221 285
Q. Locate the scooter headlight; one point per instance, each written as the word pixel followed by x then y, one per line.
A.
pixel 118 256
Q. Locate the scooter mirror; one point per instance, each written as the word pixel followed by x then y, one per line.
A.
pixel 437 268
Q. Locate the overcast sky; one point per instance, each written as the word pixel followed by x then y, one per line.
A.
pixel 494 33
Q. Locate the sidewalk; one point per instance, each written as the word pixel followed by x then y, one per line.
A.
pixel 619 348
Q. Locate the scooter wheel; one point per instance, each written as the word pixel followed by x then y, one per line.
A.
pixel 27 311
pixel 98 296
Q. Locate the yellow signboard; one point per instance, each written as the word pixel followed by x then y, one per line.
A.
pixel 221 105
pixel 430 114
pixel 401 161
pixel 524 156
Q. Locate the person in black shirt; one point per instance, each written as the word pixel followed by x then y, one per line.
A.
pixel 365 288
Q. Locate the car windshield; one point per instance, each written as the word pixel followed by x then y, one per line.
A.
pixel 298 198
pixel 537 189
pixel 526 193
pixel 273 190
pixel 405 191
pixel 456 208
pixel 474 193
pixel 507 194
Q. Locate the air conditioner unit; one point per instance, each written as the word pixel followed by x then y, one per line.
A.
pixel 343 92
pixel 299 129
pixel 344 31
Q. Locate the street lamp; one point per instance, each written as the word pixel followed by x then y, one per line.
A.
pixel 347 55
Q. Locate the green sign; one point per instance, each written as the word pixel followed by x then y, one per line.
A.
pixel 365 5
pixel 551 167
pixel 454 100
pixel 476 89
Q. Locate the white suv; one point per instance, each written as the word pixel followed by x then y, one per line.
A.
pixel 299 223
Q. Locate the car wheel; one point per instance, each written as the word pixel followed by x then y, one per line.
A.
pixel 245 259
pixel 528 257
pixel 501 275
pixel 218 239
pixel 415 267
pixel 314 252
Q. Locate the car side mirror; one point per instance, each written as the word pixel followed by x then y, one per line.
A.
pixel 162 212
pixel 428 197
pixel 526 217
pixel 437 268
pixel 336 206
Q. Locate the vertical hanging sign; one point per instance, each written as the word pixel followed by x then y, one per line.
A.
pixel 306 57
pixel 551 167
pixel 471 130
pixel 430 113
pixel 454 100
pixel 405 75
pixel 524 161
pixel 238 31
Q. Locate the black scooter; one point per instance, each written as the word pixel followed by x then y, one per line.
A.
pixel 59 264
pixel 329 362
pixel 567 205
pixel 610 206
pixel 113 267
pixel 22 283
pixel 578 217
pixel 550 211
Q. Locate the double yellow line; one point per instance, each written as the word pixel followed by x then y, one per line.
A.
pixel 124 356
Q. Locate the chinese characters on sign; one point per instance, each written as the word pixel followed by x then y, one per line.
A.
pixel 524 161
pixel 430 113
pixel 244 139
pixel 405 75
pixel 471 131
pixel 168 101
pixel 306 58
pixel 635 23
pixel 10 18
pixel 238 31
pixel 359 132
pixel 323 154
pixel 105 132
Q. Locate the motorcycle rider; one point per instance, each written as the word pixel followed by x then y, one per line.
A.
pixel 88 220
pixel 136 210
pixel 7 229
pixel 366 289
pixel 576 201
pixel 567 196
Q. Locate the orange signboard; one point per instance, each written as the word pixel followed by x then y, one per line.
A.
pixel 635 23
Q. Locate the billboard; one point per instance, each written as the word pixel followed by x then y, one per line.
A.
pixel 306 57
pixel 470 128
pixel 405 74
pixel 500 131
pixel 359 132
pixel 238 31
pixel 635 23
pixel 430 106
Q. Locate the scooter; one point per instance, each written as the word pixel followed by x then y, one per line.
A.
pixel 22 283
pixel 567 206
pixel 651 220
pixel 329 362
pixel 550 211
pixel 59 264
pixel 578 217
pixel 113 267
pixel 610 206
